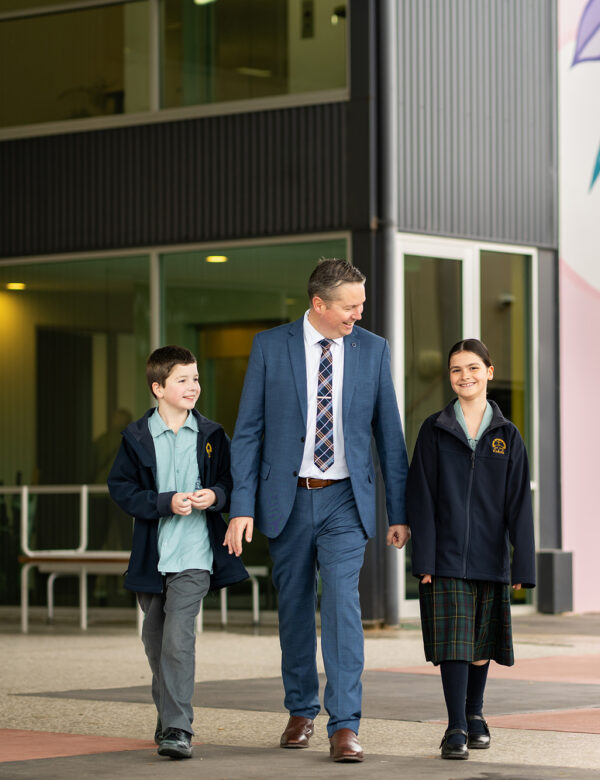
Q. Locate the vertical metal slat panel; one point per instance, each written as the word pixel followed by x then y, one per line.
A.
pixel 228 177
pixel 477 121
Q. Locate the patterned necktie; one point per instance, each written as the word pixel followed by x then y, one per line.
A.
pixel 324 432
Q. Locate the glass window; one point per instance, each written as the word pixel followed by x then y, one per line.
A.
pixel 432 324
pixel 214 309
pixel 74 343
pixel 243 49
pixel 84 63
pixel 506 331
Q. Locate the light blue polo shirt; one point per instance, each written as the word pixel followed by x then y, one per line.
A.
pixel 183 541
pixel 485 422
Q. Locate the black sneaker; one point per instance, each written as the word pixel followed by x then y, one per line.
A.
pixel 176 743
pixel 158 732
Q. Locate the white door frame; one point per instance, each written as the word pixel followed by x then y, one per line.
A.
pixel 468 252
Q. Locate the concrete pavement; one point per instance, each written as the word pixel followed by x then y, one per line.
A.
pixel 75 704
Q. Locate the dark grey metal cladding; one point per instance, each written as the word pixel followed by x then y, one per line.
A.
pixel 477 119
pixel 228 177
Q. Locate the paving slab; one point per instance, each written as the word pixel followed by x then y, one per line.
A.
pixel 387 695
pixel 216 762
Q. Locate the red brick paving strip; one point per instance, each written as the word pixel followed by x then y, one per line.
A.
pixel 583 669
pixel 578 721
pixel 17 745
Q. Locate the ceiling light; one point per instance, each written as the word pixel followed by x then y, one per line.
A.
pixel 203 2
pixel 216 259
pixel 16 286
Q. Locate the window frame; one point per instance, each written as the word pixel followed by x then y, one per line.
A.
pixel 155 113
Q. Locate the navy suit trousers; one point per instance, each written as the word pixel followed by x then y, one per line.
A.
pixel 323 535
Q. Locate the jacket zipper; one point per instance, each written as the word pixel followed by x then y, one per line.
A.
pixel 468 511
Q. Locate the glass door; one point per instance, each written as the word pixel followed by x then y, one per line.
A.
pixel 437 281
pixel 451 290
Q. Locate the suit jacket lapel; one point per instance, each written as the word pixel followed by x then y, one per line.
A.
pixel 298 362
pixel 351 356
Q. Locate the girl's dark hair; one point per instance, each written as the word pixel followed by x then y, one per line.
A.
pixel 471 345
pixel 163 360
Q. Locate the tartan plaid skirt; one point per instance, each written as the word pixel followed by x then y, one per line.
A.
pixel 466 620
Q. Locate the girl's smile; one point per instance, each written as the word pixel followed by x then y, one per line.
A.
pixel 469 375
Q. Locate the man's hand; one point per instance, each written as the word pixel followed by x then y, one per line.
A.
pixel 398 535
pixel 235 532
pixel 202 499
pixel 181 503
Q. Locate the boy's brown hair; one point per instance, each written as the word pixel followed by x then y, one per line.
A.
pixel 163 360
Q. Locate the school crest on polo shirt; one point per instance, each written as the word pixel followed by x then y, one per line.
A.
pixel 498 446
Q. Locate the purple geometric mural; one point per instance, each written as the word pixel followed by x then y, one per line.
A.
pixel 587 47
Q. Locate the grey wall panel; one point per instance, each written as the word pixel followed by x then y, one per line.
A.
pixel 477 119
pixel 258 174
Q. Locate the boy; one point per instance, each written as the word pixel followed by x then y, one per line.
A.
pixel 172 475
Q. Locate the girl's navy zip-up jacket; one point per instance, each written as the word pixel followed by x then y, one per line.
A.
pixel 132 485
pixel 466 508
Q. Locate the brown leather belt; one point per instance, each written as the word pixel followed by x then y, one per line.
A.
pixel 311 483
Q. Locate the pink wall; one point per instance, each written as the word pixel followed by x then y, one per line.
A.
pixel 580 400
pixel 579 279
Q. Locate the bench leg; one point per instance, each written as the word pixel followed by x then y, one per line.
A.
pixel 50 595
pixel 140 617
pixel 223 595
pixel 200 619
pixel 25 598
pixel 255 601
pixel 83 622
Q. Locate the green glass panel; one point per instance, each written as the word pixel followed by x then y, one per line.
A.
pixel 432 324
pixel 215 308
pixel 74 342
pixel 506 331
pixel 85 63
pixel 247 49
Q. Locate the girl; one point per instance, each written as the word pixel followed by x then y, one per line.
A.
pixel 468 497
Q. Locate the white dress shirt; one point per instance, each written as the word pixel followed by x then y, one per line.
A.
pixel 312 350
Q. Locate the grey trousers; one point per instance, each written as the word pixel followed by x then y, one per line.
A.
pixel 169 638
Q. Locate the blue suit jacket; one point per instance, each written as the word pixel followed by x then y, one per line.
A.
pixel 268 442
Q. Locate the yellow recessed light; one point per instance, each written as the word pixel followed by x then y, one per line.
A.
pixel 216 259
pixel 16 286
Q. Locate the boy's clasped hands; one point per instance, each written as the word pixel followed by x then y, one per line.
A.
pixel 183 503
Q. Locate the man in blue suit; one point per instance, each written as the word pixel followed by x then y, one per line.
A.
pixel 315 392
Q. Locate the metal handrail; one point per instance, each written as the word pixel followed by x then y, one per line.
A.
pixel 25 490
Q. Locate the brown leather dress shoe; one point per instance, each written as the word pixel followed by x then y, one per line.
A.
pixel 345 747
pixel 297 732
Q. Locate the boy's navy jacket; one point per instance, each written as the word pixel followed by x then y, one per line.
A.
pixel 132 485
pixel 465 507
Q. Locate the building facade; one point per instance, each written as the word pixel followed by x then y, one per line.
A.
pixel 171 172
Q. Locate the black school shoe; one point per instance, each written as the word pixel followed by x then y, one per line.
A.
pixel 478 740
pixel 176 743
pixel 450 750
